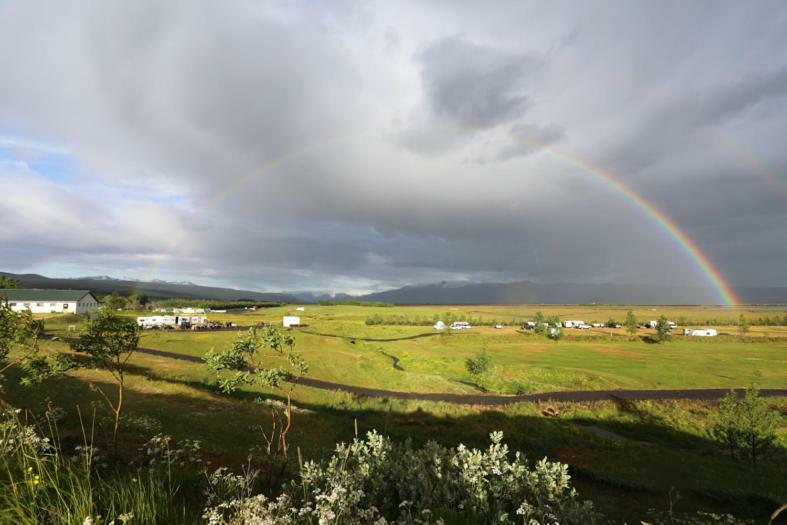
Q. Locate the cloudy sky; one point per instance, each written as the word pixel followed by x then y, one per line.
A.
pixel 365 145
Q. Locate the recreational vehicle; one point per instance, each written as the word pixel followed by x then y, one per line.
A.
pixel 700 332
pixel 460 325
pixel 290 321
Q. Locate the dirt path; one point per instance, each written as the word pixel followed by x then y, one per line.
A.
pixel 497 400
pixel 372 339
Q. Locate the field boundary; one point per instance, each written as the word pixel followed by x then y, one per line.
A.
pixel 575 396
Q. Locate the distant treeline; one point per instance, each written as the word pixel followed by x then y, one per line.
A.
pixel 752 321
pixel 448 318
pixel 214 304
pixel 354 303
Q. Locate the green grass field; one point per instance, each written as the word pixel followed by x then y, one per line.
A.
pixel 626 455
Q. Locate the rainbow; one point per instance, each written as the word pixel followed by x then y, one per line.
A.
pixel 711 273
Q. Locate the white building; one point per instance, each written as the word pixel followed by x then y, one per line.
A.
pixel 51 301
pixel 291 320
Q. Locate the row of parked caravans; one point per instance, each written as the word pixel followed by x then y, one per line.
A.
pixel 690 332
pixel 172 321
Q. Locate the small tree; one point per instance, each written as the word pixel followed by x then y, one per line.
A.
pixel 663 331
pixel 611 323
pixel 19 331
pixel 745 426
pixel 539 321
pixel 631 324
pixel 114 301
pixel 241 364
pixel 109 342
pixel 7 283
pixel 743 326
pixel 479 366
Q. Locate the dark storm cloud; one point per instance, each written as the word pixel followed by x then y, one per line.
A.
pixel 294 146
pixel 474 85
pixel 677 121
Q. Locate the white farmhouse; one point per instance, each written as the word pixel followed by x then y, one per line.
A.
pixel 51 301
pixel 291 320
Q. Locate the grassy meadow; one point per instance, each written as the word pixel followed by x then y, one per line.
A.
pixel 626 456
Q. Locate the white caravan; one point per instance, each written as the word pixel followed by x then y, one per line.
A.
pixel 700 332
pixel 290 321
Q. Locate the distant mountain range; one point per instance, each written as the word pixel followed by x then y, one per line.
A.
pixel 156 289
pixel 523 292
pixel 526 292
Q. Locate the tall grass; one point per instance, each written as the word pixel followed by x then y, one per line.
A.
pixel 39 484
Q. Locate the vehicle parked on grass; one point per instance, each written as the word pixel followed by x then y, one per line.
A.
pixel 700 332
pixel 460 325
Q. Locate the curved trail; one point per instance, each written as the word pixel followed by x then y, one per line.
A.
pixel 497 400
pixel 373 339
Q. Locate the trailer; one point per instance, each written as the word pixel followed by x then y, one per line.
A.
pixel 157 321
pixel 573 324
pixel 460 325
pixel 290 321
pixel 700 332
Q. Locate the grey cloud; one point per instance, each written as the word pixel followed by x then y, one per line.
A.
pixel 285 146
pixel 526 139
pixel 474 85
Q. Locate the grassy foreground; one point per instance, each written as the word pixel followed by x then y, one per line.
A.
pixel 625 456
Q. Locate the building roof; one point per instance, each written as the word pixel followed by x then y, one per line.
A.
pixel 43 295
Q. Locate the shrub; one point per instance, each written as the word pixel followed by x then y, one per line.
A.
pixel 745 426
pixel 375 480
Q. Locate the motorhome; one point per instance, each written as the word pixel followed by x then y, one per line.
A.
pixel 572 324
pixel 460 325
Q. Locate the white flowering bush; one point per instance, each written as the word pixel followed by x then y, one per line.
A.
pixel 15 436
pixel 376 481
pixel 161 452
pixel 700 518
